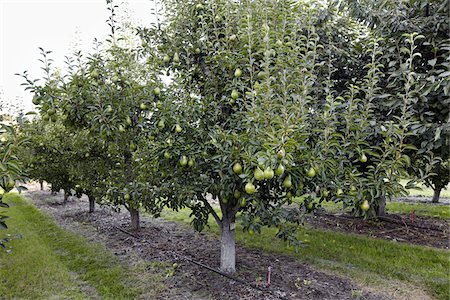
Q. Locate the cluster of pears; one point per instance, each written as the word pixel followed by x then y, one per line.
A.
pixel 268 173
pixel 259 175
pixel 184 161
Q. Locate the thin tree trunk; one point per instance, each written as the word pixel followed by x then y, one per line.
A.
pixel 228 245
pixel 66 197
pixel 91 203
pixel 41 182
pixel 134 214
pixel 381 209
pixel 436 194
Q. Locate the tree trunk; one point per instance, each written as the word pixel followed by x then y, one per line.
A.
pixel 381 209
pixel 436 194
pixel 66 197
pixel 41 182
pixel 91 203
pixel 134 214
pixel 129 177
pixel 228 245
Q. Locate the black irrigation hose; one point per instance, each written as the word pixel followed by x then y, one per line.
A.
pixel 223 274
pixel 208 267
pixel 129 233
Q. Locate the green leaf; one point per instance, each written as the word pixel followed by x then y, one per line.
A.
pixel 432 62
pixel 3 225
pixel 437 134
pixel 444 74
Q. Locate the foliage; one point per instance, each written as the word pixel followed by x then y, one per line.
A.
pixel 225 109
pixel 260 113
pixel 245 95
pixel 49 154
pixel 429 80
pixel 90 163
pixel 11 168
pixel 105 100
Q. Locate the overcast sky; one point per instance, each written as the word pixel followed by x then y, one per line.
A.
pixel 55 25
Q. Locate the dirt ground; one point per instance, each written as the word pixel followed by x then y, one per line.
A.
pixel 425 231
pixel 163 241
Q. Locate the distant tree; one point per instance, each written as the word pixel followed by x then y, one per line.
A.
pixel 90 166
pixel 110 95
pixel 48 155
pixel 390 20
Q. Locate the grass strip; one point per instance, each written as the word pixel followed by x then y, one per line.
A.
pixel 420 209
pixel 50 262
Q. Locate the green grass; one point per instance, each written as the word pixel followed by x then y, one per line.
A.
pixel 420 209
pixel 50 262
pixel 426 191
pixel 370 261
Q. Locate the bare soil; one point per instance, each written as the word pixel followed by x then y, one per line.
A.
pixel 164 241
pixel 420 230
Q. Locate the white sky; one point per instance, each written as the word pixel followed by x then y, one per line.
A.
pixel 55 25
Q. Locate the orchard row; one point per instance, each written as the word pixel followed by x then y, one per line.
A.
pixel 268 107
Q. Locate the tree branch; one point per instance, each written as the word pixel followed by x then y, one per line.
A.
pixel 236 208
pixel 204 67
pixel 210 208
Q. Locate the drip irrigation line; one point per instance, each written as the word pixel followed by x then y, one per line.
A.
pixel 177 256
pixel 126 232
pixel 223 274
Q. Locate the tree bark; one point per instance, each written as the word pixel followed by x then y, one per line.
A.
pixel 436 194
pixel 381 209
pixel 134 214
pixel 91 203
pixel 66 197
pixel 129 175
pixel 228 245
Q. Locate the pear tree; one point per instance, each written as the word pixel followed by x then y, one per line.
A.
pixel 239 126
